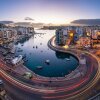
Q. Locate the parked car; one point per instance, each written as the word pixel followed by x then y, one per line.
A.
pixel 1 82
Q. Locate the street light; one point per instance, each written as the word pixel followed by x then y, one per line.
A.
pixel 65 47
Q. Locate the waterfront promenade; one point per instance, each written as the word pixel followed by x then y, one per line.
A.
pixel 41 88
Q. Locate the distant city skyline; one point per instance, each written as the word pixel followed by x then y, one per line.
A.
pixel 49 11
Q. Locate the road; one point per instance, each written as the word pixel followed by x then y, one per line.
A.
pixel 70 89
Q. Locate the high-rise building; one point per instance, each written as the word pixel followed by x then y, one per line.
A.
pixel 60 37
pixel 7 35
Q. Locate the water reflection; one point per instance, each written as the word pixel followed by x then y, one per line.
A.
pixel 37 52
pixel 61 55
pixel 23 40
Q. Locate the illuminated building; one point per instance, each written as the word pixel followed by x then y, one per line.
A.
pixel 60 37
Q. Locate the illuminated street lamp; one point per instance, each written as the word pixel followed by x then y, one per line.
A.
pixel 98 33
pixel 88 34
pixel 71 34
pixel 66 47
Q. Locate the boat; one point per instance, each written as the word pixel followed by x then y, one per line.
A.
pixel 25 60
pixel 39 67
pixel 20 50
pixel 40 43
pixel 17 60
pixel 36 46
pixel 67 59
pixel 24 56
pixel 47 61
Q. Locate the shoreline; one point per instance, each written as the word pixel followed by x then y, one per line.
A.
pixel 52 86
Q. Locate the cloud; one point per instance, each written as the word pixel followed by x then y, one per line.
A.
pixel 28 18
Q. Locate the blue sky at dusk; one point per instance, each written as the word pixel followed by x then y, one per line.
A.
pixel 49 11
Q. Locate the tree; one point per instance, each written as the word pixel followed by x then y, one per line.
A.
pixel 2 25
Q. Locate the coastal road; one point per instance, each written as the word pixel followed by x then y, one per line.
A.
pixel 40 93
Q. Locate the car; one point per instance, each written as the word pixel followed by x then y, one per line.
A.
pixel 1 82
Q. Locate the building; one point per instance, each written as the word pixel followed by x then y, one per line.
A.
pixel 98 35
pixel 85 42
pixel 71 33
pixel 24 30
pixel 79 31
pixel 7 35
pixel 60 40
pixel 1 37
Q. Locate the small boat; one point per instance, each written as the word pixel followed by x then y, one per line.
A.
pixel 67 59
pixel 25 60
pixel 36 46
pixel 24 56
pixel 39 67
pixel 19 50
pixel 47 61
pixel 40 43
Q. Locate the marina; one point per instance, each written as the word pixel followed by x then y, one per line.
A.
pixel 44 61
pixel 49 49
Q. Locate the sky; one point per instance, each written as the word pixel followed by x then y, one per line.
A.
pixel 49 11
